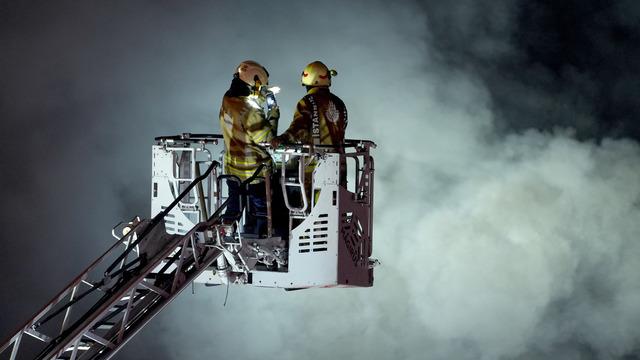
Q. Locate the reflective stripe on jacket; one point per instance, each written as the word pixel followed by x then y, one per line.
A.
pixel 243 127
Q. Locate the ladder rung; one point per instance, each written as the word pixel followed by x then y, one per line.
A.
pixel 99 339
pixel 155 289
pixel 37 335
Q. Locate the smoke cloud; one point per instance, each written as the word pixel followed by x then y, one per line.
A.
pixel 507 170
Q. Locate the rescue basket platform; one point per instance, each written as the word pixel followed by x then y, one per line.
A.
pixel 319 231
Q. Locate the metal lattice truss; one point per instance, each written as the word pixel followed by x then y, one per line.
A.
pixel 92 320
pixel 102 308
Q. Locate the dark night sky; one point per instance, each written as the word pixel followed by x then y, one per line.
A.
pixel 508 167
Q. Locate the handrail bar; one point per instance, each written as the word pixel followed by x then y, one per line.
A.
pixel 215 137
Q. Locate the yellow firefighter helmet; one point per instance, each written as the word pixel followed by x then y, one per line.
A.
pixel 251 72
pixel 317 74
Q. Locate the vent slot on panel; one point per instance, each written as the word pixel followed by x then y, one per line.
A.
pixel 317 232
pixel 169 221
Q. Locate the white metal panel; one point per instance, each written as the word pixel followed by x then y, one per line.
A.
pixel 313 245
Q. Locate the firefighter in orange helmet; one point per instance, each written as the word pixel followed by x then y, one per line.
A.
pixel 244 126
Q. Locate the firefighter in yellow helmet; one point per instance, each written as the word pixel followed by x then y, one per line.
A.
pixel 320 117
pixel 244 125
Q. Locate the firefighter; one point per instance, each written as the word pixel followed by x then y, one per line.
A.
pixel 320 117
pixel 244 125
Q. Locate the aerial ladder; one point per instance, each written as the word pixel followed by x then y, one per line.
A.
pixel 326 242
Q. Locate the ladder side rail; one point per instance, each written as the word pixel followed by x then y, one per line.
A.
pixel 63 294
pixel 154 308
pixel 143 312
pixel 102 308
pixel 84 325
pixel 57 299
pixel 98 284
